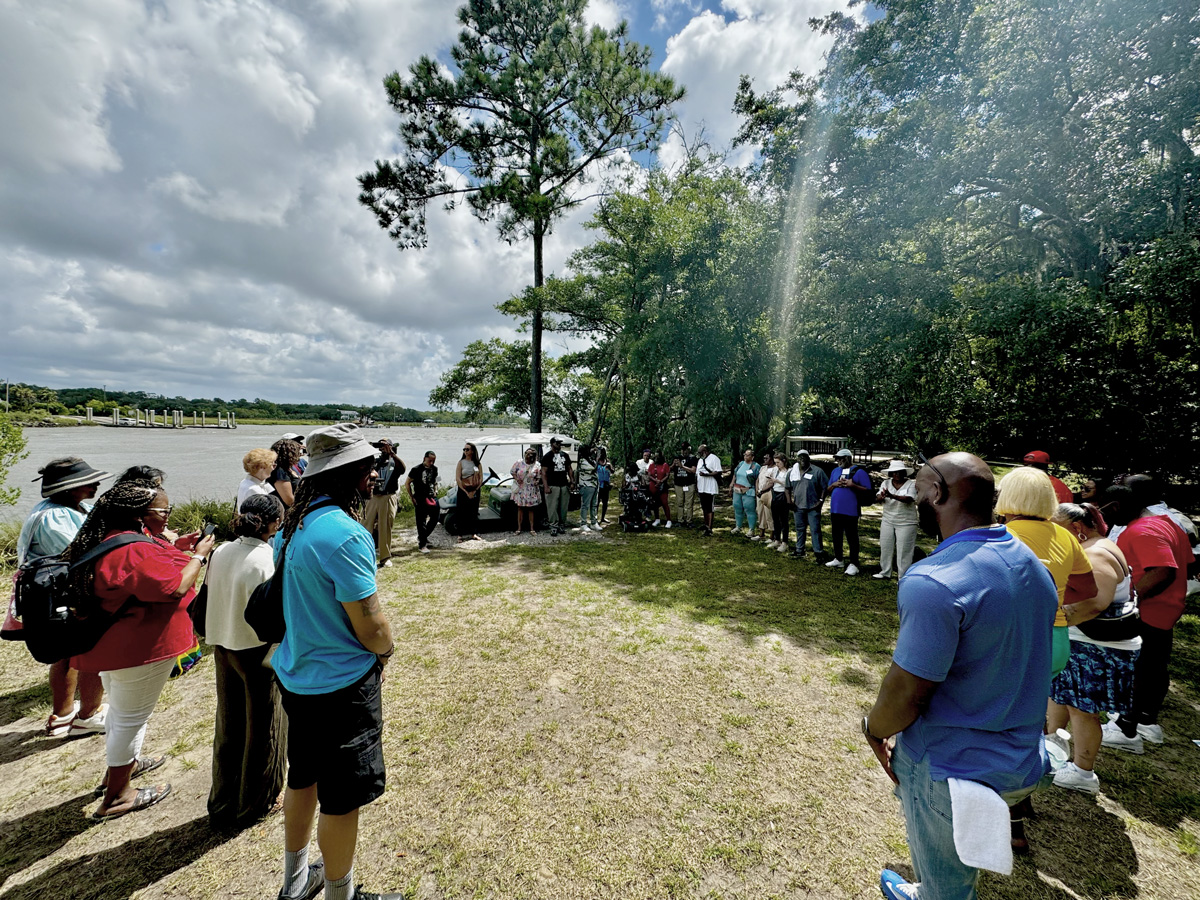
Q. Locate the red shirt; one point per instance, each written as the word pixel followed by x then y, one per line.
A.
pixel 1061 491
pixel 658 473
pixel 1157 541
pixel 158 627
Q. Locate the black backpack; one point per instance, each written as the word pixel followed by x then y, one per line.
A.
pixel 264 609
pixel 56 622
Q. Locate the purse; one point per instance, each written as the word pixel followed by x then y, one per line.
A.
pixel 1121 626
pixel 264 609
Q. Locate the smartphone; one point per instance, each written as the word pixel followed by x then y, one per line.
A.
pixel 208 529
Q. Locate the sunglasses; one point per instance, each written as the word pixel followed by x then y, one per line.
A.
pixel 164 511
pixel 925 462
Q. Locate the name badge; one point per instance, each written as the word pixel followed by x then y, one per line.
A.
pixel 808 477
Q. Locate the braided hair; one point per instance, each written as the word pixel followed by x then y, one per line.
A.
pixel 288 453
pixel 120 508
pixel 340 485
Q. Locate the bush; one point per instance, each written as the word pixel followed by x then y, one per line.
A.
pixel 191 516
pixel 9 532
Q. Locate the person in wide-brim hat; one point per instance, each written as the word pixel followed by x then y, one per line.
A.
pixel 68 486
pixel 335 446
pixel 68 473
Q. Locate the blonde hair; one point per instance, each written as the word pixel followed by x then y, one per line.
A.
pixel 1027 492
pixel 257 458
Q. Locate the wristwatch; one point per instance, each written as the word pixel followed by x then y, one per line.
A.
pixel 866 730
pixel 200 556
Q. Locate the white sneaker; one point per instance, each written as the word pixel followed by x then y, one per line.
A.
pixel 1151 733
pixel 1112 736
pixel 835 564
pixel 756 537
pixel 1073 778
pixel 60 726
pixel 733 530
pixel 655 522
pixel 782 548
pixel 597 528
pixel 851 569
pixel 879 576
pixel 92 725
pixel 424 549
pixel 386 564
pixel 771 545
pixel 668 523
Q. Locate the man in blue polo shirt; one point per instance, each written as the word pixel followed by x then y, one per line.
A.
pixel 849 485
pixel 966 693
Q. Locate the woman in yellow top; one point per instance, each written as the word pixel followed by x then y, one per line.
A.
pixel 1027 502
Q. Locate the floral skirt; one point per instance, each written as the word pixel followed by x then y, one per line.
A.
pixel 1096 679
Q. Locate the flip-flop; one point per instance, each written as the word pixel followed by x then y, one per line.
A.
pixel 144 764
pixel 146 797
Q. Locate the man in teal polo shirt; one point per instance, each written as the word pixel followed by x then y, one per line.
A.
pixel 966 694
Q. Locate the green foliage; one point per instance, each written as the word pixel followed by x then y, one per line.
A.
pixel 533 100
pixel 12 450
pixel 194 514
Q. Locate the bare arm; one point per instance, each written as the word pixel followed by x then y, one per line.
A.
pixel 284 489
pixel 369 624
pixel 1155 580
pixel 1080 588
pixel 1108 578
pixel 902 697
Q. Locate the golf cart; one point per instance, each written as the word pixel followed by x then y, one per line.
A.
pixel 497 510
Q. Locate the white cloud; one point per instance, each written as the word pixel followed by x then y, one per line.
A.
pixel 765 39
pixel 606 13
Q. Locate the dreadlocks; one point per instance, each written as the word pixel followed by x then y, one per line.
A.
pixel 120 508
pixel 289 453
pixel 340 485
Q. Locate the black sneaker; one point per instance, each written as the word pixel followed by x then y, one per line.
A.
pixel 312 887
pixel 360 894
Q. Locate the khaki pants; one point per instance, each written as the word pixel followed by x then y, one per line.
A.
pixel 378 516
pixel 685 504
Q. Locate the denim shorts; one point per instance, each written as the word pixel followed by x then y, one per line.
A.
pixel 335 741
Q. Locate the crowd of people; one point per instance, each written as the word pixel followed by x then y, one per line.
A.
pixel 1038 613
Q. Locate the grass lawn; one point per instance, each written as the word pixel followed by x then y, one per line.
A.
pixel 642 716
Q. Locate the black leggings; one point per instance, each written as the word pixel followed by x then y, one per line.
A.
pixel 604 492
pixel 848 526
pixel 780 516
pixel 1150 679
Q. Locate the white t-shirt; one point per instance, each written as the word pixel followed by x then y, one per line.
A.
pixel 236 569
pixel 895 512
pixel 707 483
pixel 643 466
pixel 780 479
pixel 249 487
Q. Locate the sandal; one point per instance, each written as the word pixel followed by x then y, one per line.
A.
pixel 60 726
pixel 146 797
pixel 144 764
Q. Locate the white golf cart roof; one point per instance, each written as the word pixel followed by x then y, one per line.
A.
pixel 503 438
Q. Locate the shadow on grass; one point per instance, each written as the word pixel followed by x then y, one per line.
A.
pixel 18 745
pixel 743 585
pixel 33 837
pixel 121 871
pixel 19 703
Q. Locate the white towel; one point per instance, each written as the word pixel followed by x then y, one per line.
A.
pixel 982 833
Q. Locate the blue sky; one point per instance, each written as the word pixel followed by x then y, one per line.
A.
pixel 178 199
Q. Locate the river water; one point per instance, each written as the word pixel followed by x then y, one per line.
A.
pixel 207 462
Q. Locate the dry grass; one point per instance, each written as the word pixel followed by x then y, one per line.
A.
pixel 651 716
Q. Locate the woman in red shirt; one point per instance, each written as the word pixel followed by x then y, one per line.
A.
pixel 135 655
pixel 658 474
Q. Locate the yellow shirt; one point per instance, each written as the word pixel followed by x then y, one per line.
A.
pixel 1058 550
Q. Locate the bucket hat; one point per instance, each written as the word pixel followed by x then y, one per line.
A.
pixel 67 473
pixel 334 446
pixel 897 466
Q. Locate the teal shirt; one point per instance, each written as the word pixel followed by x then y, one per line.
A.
pixel 746 474
pixel 330 561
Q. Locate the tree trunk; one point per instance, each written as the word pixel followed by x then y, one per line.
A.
pixel 535 361
pixel 602 402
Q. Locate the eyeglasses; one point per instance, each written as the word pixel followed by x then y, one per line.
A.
pixel 164 511
pixel 923 461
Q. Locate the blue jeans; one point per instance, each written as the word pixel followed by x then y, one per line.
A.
pixel 930 828
pixel 588 497
pixel 810 519
pixel 744 510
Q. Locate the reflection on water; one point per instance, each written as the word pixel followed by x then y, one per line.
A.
pixel 207 462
